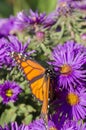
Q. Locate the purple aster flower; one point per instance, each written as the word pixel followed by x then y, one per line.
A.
pixel 11 45
pixel 68 61
pixel 72 104
pixel 1 128
pixel 64 7
pixel 9 91
pixel 58 121
pixel 40 125
pixel 23 127
pixel 7 26
pixel 25 20
pixel 3 49
pixel 36 125
pixel 75 4
pixel 79 4
pixel 81 126
pixel 2 29
pixel 70 125
pixel 2 21
pixel 73 125
pixel 14 45
pixel 62 123
pixel 15 126
pixel 51 19
pixel 36 18
pixel 22 20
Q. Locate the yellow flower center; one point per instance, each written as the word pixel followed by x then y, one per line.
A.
pixel 66 69
pixel 9 92
pixel 72 99
pixel 52 128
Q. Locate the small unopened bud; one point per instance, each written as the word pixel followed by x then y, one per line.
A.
pixel 83 36
pixel 40 36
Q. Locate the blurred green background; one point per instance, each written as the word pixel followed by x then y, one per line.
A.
pixel 9 7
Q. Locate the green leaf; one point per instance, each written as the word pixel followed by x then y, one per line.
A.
pixel 7 116
pixel 28 119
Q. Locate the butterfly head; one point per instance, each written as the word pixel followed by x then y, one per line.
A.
pixel 50 71
pixel 18 56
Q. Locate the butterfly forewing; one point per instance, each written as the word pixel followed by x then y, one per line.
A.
pixel 30 68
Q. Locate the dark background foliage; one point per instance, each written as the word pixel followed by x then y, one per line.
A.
pixel 8 7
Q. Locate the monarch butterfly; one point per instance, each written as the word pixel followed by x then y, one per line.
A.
pixel 39 80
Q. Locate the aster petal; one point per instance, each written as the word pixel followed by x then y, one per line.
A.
pixel 14 126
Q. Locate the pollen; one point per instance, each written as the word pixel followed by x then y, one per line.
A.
pixel 72 99
pixel 66 69
pixel 9 93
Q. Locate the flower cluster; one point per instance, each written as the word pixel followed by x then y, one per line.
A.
pixel 57 42
pixel 36 125
pixel 30 20
pixel 39 125
pixel 69 60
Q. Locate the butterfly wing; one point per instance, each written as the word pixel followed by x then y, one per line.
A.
pixel 38 80
pixel 40 88
pixel 44 110
pixel 30 68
